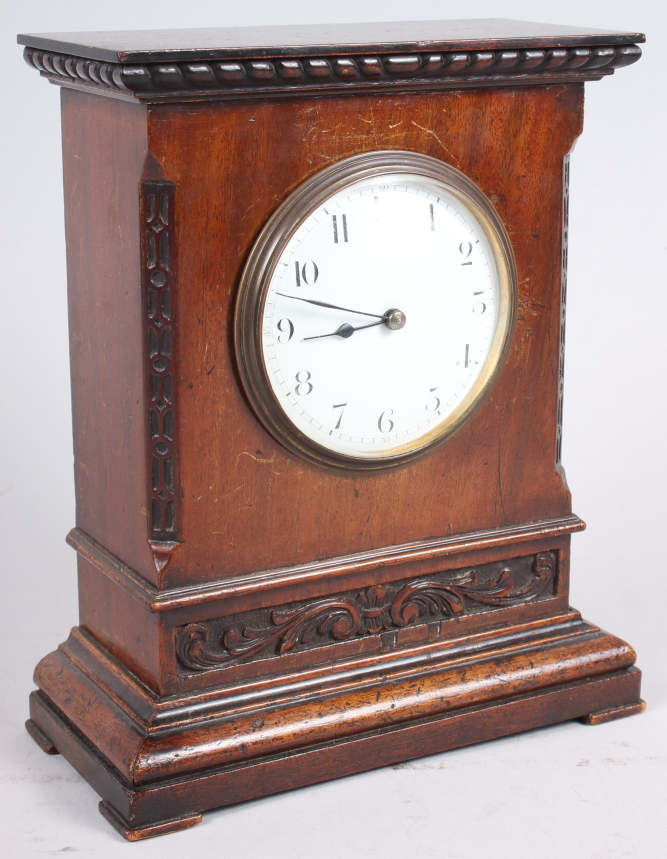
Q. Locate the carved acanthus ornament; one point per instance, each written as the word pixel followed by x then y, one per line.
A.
pixel 369 612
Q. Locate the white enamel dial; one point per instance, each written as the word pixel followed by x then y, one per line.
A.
pixel 379 317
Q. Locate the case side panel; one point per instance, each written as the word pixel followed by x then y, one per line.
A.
pixel 104 148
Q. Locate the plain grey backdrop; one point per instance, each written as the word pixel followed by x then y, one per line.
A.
pixel 566 791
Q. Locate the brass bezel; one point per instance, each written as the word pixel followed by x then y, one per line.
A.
pixel 265 255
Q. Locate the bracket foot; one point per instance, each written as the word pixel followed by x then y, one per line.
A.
pixel 148 830
pixel 40 738
pixel 603 716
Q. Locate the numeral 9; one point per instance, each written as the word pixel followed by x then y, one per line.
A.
pixel 289 330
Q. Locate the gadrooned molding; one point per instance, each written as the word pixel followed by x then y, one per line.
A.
pixel 183 81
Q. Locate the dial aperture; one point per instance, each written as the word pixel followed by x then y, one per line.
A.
pixel 383 312
pixel 407 243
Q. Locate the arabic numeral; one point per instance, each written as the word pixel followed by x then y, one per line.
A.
pixel 340 417
pixel 465 357
pixel 465 248
pixel 385 425
pixel 479 309
pixel 304 387
pixel 289 330
pixel 308 272
pixel 434 403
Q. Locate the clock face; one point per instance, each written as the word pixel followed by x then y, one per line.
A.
pixel 380 311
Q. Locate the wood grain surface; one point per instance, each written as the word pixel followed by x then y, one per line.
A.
pixel 141 46
pixel 236 480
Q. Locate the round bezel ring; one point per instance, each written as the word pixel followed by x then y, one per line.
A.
pixel 263 258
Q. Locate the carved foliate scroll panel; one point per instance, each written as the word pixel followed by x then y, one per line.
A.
pixel 262 634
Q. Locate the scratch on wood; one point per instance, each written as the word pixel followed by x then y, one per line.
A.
pixel 528 301
pixel 433 134
pixel 227 494
pixel 256 458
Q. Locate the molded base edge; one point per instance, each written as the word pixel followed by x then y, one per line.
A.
pixel 168 805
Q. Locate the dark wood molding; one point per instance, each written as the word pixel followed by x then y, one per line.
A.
pixel 190 595
pixel 113 568
pixel 208 645
pixel 197 81
pixel 146 710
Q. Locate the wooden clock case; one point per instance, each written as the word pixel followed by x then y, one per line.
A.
pixel 250 621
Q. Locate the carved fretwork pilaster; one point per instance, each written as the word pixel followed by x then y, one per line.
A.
pixel 157 215
pixel 563 295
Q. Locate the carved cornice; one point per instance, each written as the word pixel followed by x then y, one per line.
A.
pixel 204 646
pixel 186 81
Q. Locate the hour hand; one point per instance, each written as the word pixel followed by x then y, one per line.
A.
pixel 345 330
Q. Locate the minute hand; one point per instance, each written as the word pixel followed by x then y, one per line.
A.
pixel 331 306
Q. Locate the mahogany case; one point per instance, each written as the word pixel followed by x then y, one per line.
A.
pixel 251 621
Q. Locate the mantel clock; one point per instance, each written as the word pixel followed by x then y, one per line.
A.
pixel 317 304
